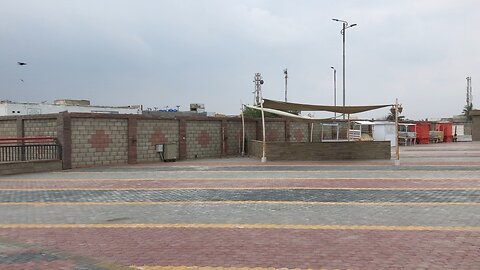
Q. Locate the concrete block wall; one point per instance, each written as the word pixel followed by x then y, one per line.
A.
pixel 40 127
pixel 317 132
pixel 151 132
pixel 98 142
pixel 203 139
pixel 323 151
pixel 299 131
pixel 235 135
pixel 475 129
pixel 99 139
pixel 8 128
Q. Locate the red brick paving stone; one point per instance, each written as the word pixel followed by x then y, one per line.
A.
pixel 243 183
pixel 290 248
pixel 39 265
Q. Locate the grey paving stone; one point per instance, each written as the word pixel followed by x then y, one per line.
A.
pixel 303 195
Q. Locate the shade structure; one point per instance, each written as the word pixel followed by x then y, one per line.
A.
pixel 283 113
pixel 289 106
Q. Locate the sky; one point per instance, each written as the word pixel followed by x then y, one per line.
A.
pixel 176 52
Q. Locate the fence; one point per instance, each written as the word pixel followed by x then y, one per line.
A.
pixel 29 149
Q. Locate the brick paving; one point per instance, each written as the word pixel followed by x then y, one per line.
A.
pixel 241 183
pixel 275 195
pixel 235 213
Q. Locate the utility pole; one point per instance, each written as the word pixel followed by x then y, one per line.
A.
pixel 345 26
pixel 286 79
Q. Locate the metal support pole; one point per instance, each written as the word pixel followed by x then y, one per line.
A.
pixel 334 90
pixel 348 130
pixel 397 149
pixel 286 79
pixel 243 133
pixel 264 143
pixel 345 26
pixel 343 73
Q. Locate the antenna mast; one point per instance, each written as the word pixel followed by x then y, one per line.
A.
pixel 286 79
pixel 258 87
pixel 469 92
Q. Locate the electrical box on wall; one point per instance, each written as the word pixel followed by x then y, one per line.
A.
pixel 159 148
pixel 170 152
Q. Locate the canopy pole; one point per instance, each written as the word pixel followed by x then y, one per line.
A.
pixel 243 132
pixel 348 130
pixel 397 149
pixel 264 143
pixel 311 133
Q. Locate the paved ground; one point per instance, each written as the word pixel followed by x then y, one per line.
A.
pixel 239 213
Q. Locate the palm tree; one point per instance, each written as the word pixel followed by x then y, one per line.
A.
pixel 467 110
pixel 391 116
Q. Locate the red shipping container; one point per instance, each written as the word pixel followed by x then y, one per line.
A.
pixel 447 131
pixel 423 129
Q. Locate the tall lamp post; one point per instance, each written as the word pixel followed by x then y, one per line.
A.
pixel 334 89
pixel 345 26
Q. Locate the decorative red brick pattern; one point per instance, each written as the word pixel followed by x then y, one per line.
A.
pixel 40 265
pixel 203 138
pixel 279 248
pixel 298 135
pixel 271 136
pixel 100 140
pixel 158 137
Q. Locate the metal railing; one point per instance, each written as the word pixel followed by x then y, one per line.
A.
pixel 29 149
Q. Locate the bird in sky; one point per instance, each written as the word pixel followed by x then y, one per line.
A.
pixel 21 63
pixel 21 80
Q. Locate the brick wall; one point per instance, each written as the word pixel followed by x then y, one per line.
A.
pixel 8 128
pixel 40 127
pixel 235 135
pixel 98 139
pixel 98 142
pixel 475 125
pixel 152 132
pixel 203 139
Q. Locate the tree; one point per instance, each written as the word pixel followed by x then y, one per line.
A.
pixel 391 116
pixel 467 111
pixel 254 113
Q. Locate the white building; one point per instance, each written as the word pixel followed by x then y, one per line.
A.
pixel 381 130
pixel 9 108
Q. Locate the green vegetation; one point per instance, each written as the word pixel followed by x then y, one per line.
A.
pixel 467 110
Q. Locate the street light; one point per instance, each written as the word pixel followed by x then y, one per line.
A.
pixel 345 26
pixel 334 89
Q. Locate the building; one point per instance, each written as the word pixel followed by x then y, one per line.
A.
pixel 10 108
pixel 475 125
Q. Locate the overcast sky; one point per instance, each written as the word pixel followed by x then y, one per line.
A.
pixel 166 53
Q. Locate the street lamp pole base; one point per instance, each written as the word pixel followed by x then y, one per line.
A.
pixel 397 162
pixel 264 159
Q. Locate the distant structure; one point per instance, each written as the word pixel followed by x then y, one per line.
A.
pixel 469 92
pixel 9 108
pixel 197 107
pixel 257 79
pixel 196 110
pixel 285 71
